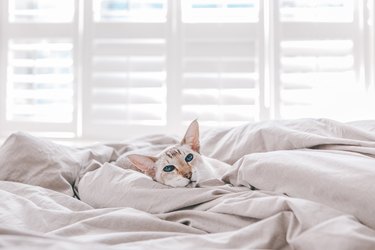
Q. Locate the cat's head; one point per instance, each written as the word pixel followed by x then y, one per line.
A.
pixel 176 165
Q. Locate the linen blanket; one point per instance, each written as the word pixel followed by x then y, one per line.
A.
pixel 295 184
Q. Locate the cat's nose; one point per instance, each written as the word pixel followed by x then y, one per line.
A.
pixel 188 175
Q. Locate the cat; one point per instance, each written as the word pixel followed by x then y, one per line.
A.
pixel 181 165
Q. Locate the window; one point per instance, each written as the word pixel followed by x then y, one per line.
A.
pixel 40 77
pixel 40 11
pixel 115 69
pixel 125 84
pixel 130 10
pixel 219 11
pixel 321 60
pixel 219 59
pixel 39 68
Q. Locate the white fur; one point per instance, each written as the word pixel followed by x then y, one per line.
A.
pixel 200 169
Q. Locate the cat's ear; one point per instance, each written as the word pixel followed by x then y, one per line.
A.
pixel 191 137
pixel 144 163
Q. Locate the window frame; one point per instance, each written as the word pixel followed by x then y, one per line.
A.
pixel 80 31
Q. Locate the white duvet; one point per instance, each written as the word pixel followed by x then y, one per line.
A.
pixel 298 184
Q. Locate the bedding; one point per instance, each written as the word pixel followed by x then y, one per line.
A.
pixel 293 184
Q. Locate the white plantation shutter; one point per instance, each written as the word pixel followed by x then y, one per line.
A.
pixel 369 41
pixel 40 72
pixel 114 69
pixel 40 81
pixel 320 60
pixel 220 61
pixel 125 78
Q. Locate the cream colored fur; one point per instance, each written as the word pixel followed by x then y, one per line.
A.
pixel 185 173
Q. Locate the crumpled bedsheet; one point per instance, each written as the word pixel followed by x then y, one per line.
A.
pixel 294 184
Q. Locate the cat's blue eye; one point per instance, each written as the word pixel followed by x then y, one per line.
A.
pixel 189 158
pixel 169 168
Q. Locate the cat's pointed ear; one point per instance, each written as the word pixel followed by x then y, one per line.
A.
pixel 191 137
pixel 144 163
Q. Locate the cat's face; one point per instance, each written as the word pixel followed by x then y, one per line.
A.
pixel 176 165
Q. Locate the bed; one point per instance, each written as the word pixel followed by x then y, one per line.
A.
pixel 293 184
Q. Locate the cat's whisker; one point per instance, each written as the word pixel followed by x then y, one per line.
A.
pixel 181 164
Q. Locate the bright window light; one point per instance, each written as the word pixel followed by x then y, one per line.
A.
pixel 50 11
pixel 40 81
pixel 130 10
pixel 316 10
pixel 208 11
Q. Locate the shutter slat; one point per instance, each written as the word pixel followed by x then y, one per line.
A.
pixel 130 79
pixel 318 64
pixel 316 47
pixel 316 11
pixel 41 11
pixel 224 81
pixel 135 63
pixel 220 32
pixel 131 96
pixel 130 11
pixel 129 48
pixel 226 11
